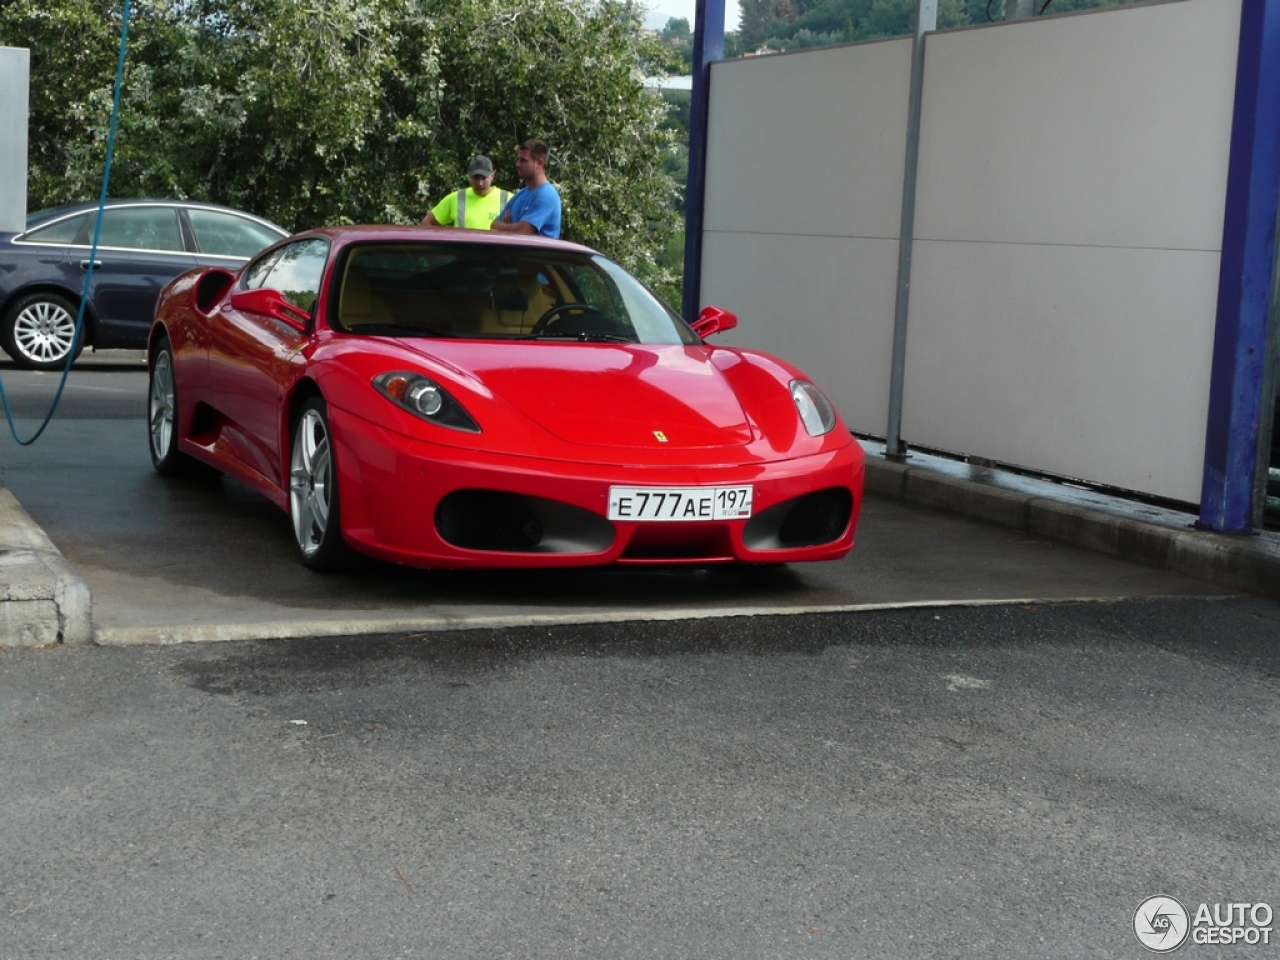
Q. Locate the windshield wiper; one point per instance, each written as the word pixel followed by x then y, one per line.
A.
pixel 582 337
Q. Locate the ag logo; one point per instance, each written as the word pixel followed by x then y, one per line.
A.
pixel 1161 924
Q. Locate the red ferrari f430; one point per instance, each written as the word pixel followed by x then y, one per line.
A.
pixel 450 398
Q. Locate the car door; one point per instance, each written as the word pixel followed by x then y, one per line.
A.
pixel 253 359
pixel 140 249
pixel 39 257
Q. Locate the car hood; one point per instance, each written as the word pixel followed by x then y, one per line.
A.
pixel 606 394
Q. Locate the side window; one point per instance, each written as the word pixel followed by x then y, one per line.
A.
pixel 62 231
pixel 257 271
pixel 226 235
pixel 141 228
pixel 298 271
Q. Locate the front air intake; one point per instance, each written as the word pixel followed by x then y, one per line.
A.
pixel 816 518
pixel 488 520
pixel 808 521
pixel 495 520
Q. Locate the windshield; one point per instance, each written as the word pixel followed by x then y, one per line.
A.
pixel 493 292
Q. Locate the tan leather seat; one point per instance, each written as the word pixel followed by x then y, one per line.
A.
pixel 521 302
pixel 359 305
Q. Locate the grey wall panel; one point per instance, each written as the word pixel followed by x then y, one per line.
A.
pixel 1082 361
pixel 820 302
pixel 1110 128
pixel 15 67
pixel 809 143
pixel 1068 242
pixel 1069 219
pixel 804 191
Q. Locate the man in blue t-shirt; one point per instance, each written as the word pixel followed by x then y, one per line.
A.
pixel 535 209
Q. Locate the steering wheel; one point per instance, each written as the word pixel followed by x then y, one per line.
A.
pixel 556 312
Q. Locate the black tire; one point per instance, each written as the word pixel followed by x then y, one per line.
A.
pixel 314 512
pixel 162 413
pixel 37 331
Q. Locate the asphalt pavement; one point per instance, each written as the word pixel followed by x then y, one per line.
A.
pixel 965 740
pixel 999 782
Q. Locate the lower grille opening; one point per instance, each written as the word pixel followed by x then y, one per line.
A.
pixel 505 522
pixel 677 542
pixel 808 521
pixel 816 518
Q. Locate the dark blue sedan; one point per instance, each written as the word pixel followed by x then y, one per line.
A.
pixel 143 244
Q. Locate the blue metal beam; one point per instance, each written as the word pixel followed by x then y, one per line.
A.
pixel 708 46
pixel 1230 498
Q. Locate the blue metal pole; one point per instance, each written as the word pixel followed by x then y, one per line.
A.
pixel 1231 495
pixel 708 46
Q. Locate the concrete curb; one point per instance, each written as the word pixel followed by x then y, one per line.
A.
pixel 43 601
pixel 1152 536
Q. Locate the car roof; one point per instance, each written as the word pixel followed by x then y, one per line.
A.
pixel 41 217
pixel 366 233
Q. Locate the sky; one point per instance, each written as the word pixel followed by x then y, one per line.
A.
pixel 660 11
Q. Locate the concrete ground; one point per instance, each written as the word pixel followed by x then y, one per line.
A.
pixel 173 561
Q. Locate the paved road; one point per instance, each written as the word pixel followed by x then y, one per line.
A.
pixel 960 783
pixel 1002 781
pixel 174 560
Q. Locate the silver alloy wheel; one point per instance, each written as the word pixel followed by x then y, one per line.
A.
pixel 309 482
pixel 160 408
pixel 43 332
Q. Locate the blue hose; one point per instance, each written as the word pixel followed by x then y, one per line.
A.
pixel 93 250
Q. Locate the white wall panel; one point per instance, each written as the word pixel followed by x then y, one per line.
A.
pixel 1068 237
pixel 820 302
pixel 1109 128
pixel 1077 361
pixel 809 143
pixel 15 66
pixel 1070 203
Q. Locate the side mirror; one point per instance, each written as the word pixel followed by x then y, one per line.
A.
pixel 270 303
pixel 713 320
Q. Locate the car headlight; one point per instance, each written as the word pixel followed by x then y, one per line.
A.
pixel 815 410
pixel 425 398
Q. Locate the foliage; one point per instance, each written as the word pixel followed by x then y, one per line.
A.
pixel 353 110
pixel 677 28
pixel 679 37
pixel 794 24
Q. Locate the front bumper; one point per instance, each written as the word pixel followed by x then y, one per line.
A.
pixel 417 503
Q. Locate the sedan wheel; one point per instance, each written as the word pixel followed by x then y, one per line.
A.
pixel 313 491
pixel 39 331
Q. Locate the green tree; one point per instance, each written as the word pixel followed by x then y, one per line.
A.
pixel 354 110
pixel 677 28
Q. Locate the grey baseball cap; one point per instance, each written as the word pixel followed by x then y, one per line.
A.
pixel 480 167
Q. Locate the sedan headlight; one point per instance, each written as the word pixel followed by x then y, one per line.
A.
pixel 816 412
pixel 425 398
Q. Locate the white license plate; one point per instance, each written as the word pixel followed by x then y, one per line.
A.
pixel 679 503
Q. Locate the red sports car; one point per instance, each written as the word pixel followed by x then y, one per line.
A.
pixel 450 398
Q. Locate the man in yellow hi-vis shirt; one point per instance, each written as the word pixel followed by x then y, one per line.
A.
pixel 474 207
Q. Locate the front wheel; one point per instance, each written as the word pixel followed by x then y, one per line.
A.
pixel 162 412
pixel 40 330
pixel 313 491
